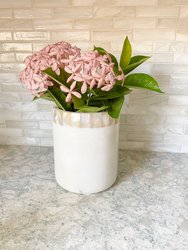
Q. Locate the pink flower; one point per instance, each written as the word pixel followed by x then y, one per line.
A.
pixel 70 91
pixel 92 69
pixel 51 56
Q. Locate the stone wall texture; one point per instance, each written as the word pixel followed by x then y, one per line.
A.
pixel 149 121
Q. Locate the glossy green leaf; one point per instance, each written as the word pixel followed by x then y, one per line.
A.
pixel 117 91
pixel 59 98
pixel 60 79
pixel 141 80
pixel 46 96
pixel 78 102
pixel 91 109
pixel 125 54
pixel 135 62
pixel 116 106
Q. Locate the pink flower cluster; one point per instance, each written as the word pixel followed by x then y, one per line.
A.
pixel 91 69
pixel 51 56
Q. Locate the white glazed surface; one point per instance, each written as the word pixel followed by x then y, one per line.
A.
pixel 86 159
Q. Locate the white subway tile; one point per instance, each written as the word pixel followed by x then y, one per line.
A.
pixel 5 36
pixel 172 2
pixel 142 119
pixel 49 3
pixel 37 133
pixel 12 88
pixel 157 11
pixel 162 57
pixel 181 58
pixel 7 57
pixel 70 12
pixel 114 3
pixel 2 124
pixel 181 79
pixel 17 46
pixel 46 116
pixel 39 45
pixel 71 35
pixel 182 35
pixel 94 24
pixel 20 57
pixel 11 67
pixel 33 13
pixel 34 35
pixel 22 124
pixel 168 110
pixel 15 4
pixel 113 36
pixel 154 34
pixel 178 100
pixel 183 11
pixel 8 97
pixel 176 139
pixel 184 148
pixel 177 119
pixel 141 47
pixel 173 23
pixel 45 125
pixel 10 132
pixel 144 137
pixel 109 11
pixel 10 115
pixel 5 13
pixel 53 24
pixel 158 99
pixel 134 110
pixel 13 24
pixel 169 68
pixel 8 78
pixel 122 23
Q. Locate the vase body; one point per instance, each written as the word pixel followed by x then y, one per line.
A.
pixel 85 150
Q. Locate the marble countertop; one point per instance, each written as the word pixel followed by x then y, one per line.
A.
pixel 146 209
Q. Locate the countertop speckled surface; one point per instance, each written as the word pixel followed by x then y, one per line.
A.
pixel 146 209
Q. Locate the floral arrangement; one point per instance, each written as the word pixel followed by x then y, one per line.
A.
pixel 84 82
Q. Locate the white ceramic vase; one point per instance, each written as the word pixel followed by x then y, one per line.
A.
pixel 85 150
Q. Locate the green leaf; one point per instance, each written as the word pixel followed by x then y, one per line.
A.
pixel 91 109
pixel 116 106
pixel 59 98
pixel 135 62
pixel 78 102
pixel 141 80
pixel 103 52
pixel 115 92
pixel 60 79
pixel 100 50
pixel 125 54
pixel 114 60
pixel 46 96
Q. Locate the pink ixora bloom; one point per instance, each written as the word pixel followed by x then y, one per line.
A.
pixel 70 91
pixel 92 69
pixel 51 56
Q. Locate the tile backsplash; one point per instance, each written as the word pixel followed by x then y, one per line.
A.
pixel 150 121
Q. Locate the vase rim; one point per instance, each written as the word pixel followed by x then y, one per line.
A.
pixel 73 112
